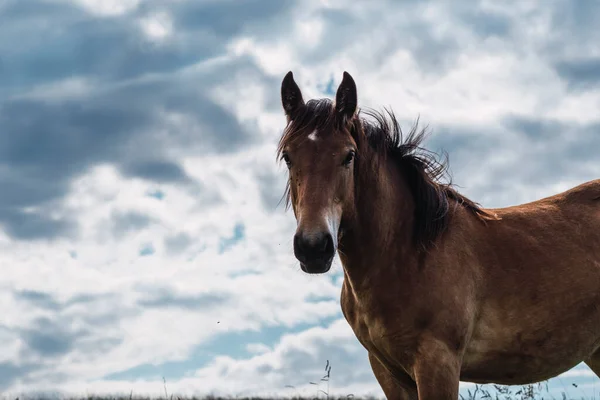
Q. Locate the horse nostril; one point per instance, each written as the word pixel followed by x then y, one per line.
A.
pixel 299 251
pixel 327 245
pixel 322 246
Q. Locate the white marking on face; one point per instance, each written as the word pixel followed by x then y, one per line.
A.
pixel 313 136
pixel 333 223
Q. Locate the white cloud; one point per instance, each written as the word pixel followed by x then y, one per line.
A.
pixel 258 348
pixel 296 360
pixel 158 26
pixel 108 7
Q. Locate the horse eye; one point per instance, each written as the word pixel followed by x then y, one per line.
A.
pixel 348 158
pixel 287 160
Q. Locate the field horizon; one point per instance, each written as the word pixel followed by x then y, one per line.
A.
pixel 485 392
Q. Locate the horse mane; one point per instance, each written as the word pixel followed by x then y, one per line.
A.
pixel 422 169
pixel 423 172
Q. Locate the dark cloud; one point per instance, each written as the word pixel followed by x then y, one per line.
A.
pixel 549 148
pixel 39 299
pixel 572 48
pixel 64 330
pixel 48 301
pixel 576 20
pixel 178 243
pixel 28 22
pixel 227 19
pixel 53 338
pixel 33 225
pixel 48 339
pixel 485 23
pixel 160 171
pixel 59 40
pixel 12 372
pixel 45 143
pixel 580 74
pixel 76 43
pixel 123 223
pixel 434 53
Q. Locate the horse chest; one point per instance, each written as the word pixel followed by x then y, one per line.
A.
pixel 358 320
pixel 380 333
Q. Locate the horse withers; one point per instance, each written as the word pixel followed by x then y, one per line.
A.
pixel 437 288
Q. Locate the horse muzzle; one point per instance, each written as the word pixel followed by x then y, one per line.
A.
pixel 315 251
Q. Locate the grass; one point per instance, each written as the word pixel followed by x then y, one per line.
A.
pixel 501 393
pixel 536 391
pixel 527 392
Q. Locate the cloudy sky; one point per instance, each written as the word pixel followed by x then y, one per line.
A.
pixel 140 232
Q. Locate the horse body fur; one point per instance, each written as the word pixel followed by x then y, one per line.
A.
pixel 539 297
pixel 520 304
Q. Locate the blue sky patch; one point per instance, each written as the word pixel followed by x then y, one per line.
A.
pixel 236 237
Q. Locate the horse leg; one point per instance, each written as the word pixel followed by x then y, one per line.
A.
pixel 594 363
pixel 437 371
pixel 391 388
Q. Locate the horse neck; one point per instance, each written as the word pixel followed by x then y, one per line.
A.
pixel 381 230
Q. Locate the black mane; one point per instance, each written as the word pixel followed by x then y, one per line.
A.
pixel 423 172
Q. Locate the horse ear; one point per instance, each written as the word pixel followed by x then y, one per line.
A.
pixel 291 96
pixel 346 100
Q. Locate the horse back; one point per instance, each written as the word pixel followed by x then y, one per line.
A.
pixel 539 285
pixel 572 215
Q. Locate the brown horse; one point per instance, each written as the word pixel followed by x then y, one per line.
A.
pixel 437 288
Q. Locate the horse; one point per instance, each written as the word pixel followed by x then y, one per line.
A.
pixel 437 288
